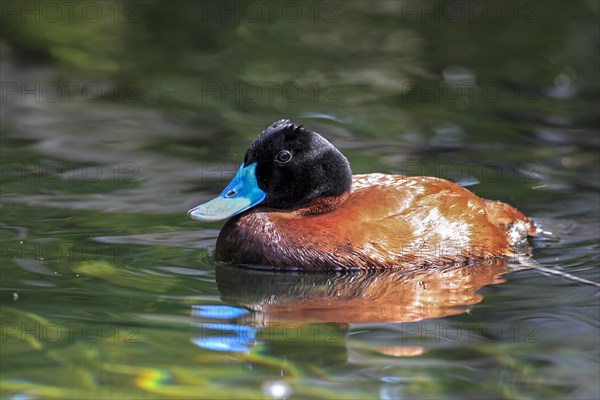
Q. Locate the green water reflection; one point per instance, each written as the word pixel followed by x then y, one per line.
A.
pixel 114 124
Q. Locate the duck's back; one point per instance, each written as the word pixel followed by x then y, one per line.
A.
pixel 386 221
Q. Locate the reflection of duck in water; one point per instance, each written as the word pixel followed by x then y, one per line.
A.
pixel 358 297
pixel 295 205
pixel 279 309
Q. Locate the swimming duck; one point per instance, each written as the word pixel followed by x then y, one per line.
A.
pixel 295 205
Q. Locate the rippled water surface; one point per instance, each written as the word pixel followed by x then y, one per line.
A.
pixel 111 129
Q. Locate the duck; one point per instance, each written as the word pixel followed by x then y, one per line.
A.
pixel 295 205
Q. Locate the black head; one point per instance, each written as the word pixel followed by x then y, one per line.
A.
pixel 295 165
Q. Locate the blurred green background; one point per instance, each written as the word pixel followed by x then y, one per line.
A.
pixel 118 116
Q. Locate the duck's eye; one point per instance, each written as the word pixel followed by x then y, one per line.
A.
pixel 231 193
pixel 284 156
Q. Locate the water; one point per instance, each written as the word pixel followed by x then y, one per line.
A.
pixel 108 290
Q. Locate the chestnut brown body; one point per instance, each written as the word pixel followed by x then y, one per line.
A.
pixel 384 221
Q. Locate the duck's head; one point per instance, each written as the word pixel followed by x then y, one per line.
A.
pixel 286 166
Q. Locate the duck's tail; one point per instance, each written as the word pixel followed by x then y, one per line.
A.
pixel 511 220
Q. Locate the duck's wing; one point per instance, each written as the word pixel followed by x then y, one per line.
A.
pixel 426 219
